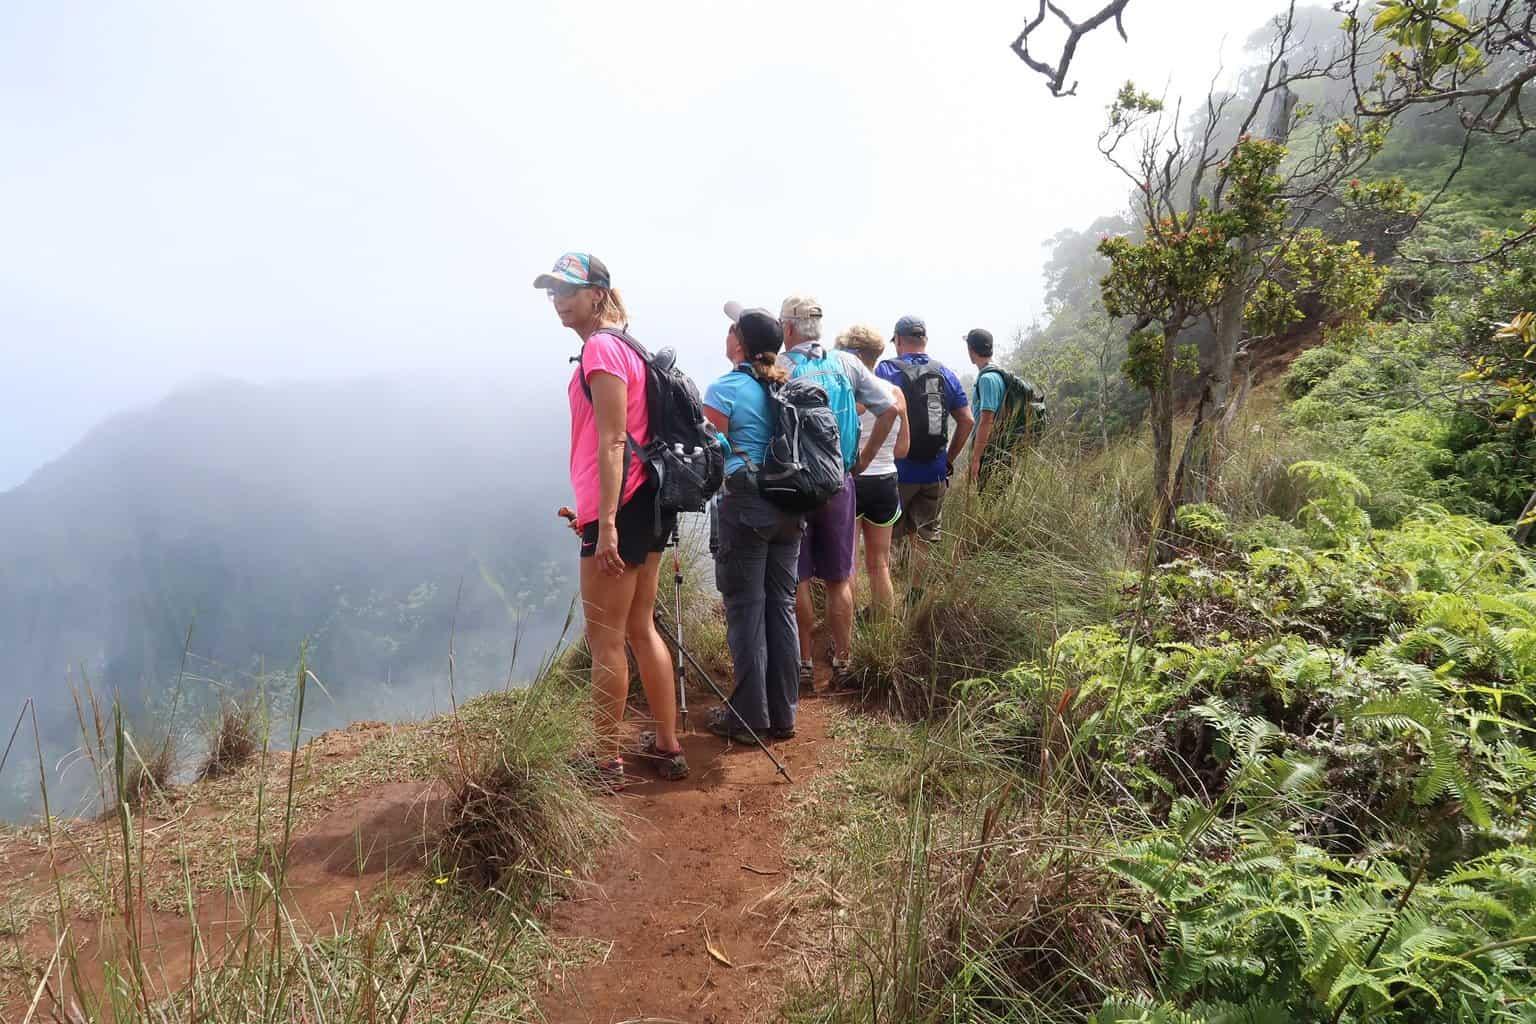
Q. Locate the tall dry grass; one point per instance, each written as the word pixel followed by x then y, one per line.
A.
pixel 430 949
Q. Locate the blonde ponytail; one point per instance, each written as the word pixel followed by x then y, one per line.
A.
pixel 766 366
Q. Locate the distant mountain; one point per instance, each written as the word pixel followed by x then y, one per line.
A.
pixel 345 514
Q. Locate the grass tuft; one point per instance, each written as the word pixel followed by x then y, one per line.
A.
pixel 519 822
pixel 235 740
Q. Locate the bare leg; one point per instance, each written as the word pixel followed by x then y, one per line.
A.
pixel 605 603
pixel 840 617
pixel 656 676
pixel 877 562
pixel 805 619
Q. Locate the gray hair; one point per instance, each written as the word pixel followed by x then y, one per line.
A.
pixel 807 328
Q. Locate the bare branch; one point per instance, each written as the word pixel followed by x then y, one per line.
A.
pixel 1056 74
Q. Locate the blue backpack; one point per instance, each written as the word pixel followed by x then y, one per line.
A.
pixel 828 374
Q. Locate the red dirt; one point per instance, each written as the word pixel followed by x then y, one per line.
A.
pixel 684 881
pixel 1272 358
pixel 334 867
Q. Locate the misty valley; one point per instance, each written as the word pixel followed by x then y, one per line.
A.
pixel 367 521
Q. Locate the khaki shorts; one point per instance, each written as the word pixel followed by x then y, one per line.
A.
pixel 921 505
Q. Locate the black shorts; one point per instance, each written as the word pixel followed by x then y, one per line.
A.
pixel 877 499
pixel 640 534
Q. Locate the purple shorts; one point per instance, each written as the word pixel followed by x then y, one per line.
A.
pixel 826 547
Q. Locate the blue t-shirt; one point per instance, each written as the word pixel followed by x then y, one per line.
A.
pixel 989 392
pixel 909 471
pixel 741 399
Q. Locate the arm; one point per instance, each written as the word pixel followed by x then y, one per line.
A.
pixel 722 423
pixel 964 421
pixel 610 402
pixel 877 436
pixel 983 435
pixel 903 439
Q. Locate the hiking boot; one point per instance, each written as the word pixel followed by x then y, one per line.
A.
pixel 807 678
pixel 842 674
pixel 724 723
pixel 781 734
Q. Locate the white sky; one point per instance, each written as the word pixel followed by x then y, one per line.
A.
pixel 293 189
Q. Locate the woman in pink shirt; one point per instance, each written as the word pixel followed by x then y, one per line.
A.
pixel 622 534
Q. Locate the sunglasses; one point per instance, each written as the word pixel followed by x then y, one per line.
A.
pixel 564 291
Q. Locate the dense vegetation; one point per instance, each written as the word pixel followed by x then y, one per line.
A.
pixel 1279 764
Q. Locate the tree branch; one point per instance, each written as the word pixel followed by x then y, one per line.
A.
pixel 1056 74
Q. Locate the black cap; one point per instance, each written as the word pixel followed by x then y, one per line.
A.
pixel 979 341
pixel 759 329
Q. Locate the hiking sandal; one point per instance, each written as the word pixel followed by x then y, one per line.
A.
pixel 807 678
pixel 843 679
pixel 672 767
pixel 724 723
pixel 598 775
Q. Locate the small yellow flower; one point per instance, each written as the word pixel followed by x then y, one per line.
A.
pixel 441 881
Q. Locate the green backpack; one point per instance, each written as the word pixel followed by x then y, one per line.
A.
pixel 1023 408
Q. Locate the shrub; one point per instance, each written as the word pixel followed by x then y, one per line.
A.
pixel 1311 368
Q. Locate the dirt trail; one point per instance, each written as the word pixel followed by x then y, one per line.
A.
pixel 704 867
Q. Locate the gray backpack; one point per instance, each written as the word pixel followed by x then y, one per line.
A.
pixel 804 464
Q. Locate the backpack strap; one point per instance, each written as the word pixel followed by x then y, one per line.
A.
pixel 631 449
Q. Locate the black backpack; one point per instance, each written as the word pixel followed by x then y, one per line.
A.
pixel 804 464
pixel 1023 407
pixel 684 455
pixel 923 386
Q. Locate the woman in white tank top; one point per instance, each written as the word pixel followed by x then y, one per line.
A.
pixel 878 500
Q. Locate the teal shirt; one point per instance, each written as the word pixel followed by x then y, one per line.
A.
pixel 989 393
pixel 741 399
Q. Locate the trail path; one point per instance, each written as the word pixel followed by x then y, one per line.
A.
pixel 704 867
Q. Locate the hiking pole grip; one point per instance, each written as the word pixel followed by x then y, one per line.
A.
pixel 709 681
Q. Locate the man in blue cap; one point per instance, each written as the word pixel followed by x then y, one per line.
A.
pixel 934 397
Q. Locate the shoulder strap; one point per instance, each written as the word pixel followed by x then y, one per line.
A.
pixel 626 338
pixel 630 447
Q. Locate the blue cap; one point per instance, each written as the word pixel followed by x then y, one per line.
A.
pixel 911 327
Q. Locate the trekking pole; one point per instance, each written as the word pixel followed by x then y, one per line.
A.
pixel 709 681
pixel 677 617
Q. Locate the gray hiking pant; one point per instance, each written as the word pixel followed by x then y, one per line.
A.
pixel 755 571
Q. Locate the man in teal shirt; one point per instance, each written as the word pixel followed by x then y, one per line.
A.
pixel 990 391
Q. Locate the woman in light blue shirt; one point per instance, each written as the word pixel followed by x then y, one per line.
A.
pixel 756 562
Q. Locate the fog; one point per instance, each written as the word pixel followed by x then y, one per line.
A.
pixel 271 365
pixel 372 522
pixel 317 190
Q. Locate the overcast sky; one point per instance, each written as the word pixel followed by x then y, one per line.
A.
pixel 295 189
